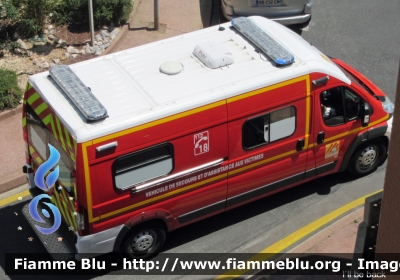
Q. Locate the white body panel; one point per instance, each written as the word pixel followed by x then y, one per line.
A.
pixel 134 91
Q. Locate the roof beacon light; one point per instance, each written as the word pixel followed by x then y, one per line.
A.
pixel 80 94
pixel 262 40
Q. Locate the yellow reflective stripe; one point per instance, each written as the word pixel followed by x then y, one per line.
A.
pixel 33 98
pixel 53 129
pixel 67 136
pixel 60 133
pixel 41 108
pixel 46 120
pixel 67 214
pixel 268 88
pixel 308 112
pixel 58 203
pixel 24 121
pixel 262 162
pixel 28 86
pixel 71 204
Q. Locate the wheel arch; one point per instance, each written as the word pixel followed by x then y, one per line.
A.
pixel 154 217
pixel 364 137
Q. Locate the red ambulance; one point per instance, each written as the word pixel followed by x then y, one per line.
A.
pixel 163 135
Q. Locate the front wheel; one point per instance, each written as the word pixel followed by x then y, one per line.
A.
pixel 367 158
pixel 144 242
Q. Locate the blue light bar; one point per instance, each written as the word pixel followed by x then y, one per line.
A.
pixel 79 94
pixel 262 40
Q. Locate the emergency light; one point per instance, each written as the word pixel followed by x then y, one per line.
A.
pixel 263 41
pixel 79 94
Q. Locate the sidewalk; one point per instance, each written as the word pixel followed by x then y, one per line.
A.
pixel 12 152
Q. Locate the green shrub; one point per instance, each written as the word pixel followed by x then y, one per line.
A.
pixel 104 11
pixel 10 93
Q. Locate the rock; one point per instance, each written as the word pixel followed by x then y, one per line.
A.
pixel 51 37
pixel 98 52
pixel 75 51
pixel 29 53
pixel 66 55
pixel 70 49
pixel 46 31
pixel 52 31
pixel 99 43
pixel 50 27
pixel 15 36
pixel 56 60
pixel 58 41
pixel 111 27
pixel 45 65
pixel 35 62
pixel 83 52
pixel 105 33
pixel 106 45
pixel 113 34
pixel 105 27
pixel 17 51
pixel 98 37
pixel 63 44
pixel 21 44
pixel 106 40
pixel 87 48
pixel 74 55
pixel 52 65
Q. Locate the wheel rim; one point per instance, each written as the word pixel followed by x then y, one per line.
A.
pixel 367 157
pixel 143 241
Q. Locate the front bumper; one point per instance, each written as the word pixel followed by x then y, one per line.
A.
pixel 389 129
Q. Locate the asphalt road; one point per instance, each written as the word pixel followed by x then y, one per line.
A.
pixel 365 34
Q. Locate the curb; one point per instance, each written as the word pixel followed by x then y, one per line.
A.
pixel 12 183
pixel 311 242
pixel 123 31
pixel 9 113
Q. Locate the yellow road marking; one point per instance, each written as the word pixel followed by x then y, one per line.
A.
pixel 13 198
pixel 292 238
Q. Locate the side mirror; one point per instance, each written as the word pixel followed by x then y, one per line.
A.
pixel 365 113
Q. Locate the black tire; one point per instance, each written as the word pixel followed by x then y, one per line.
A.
pixel 367 158
pixel 144 242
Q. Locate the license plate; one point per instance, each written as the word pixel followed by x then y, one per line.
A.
pixel 269 2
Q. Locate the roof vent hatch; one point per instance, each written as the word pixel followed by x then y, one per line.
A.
pixel 213 54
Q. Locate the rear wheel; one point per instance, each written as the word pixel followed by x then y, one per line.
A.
pixel 144 241
pixel 367 158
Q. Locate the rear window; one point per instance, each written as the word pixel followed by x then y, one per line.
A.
pixel 39 137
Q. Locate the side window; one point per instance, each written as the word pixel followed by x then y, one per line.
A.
pixel 352 103
pixel 339 105
pixel 332 106
pixel 145 165
pixel 269 127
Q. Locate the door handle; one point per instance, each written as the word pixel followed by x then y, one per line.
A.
pixel 321 137
pixel 300 144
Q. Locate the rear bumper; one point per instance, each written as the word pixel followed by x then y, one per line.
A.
pixel 99 243
pixel 228 12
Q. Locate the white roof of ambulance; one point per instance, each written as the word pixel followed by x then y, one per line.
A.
pixel 134 91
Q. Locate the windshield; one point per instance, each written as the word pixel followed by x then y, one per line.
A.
pixel 39 137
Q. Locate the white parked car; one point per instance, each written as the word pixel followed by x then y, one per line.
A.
pixel 286 12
